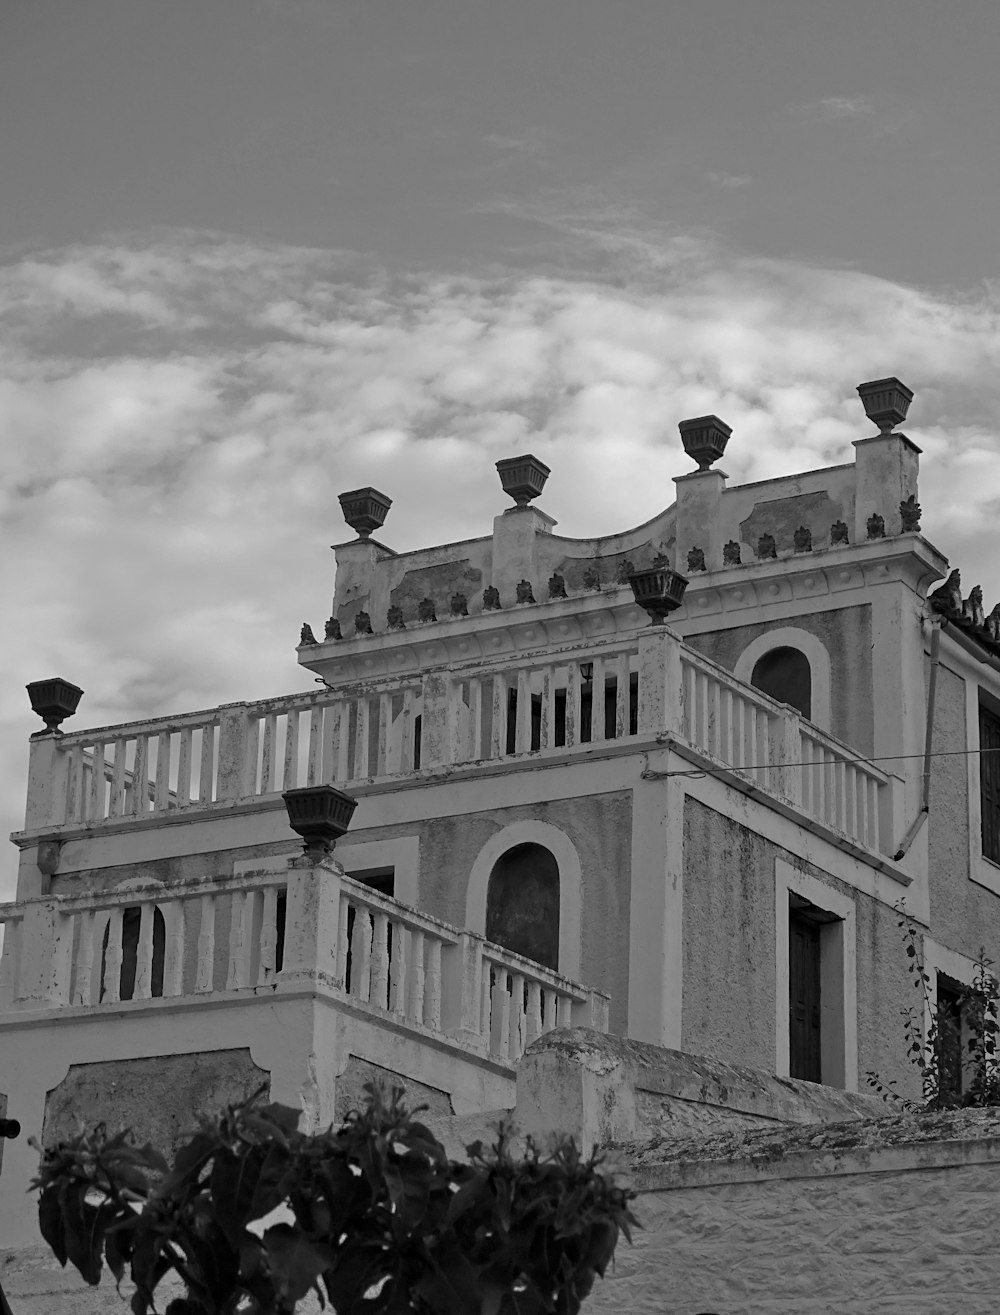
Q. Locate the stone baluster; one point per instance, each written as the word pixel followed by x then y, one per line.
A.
pixel 379 994
pixel 205 971
pixel 184 766
pixel 173 950
pixel 290 768
pixel 111 981
pixel 432 1013
pixel 238 964
pixel 84 968
pixel 415 1004
pixel 267 965
pixel 143 986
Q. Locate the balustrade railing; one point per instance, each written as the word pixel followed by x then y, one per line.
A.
pixel 200 937
pixel 549 704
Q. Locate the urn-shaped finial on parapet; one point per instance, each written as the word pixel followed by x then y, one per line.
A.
pixel 53 700
pixel 320 814
pixel 704 439
pixel 886 402
pixel 523 478
pixel 658 590
pixel 365 510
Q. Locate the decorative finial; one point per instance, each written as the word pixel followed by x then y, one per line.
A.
pixel 909 511
pixel 838 533
pixel 592 578
pixel 320 814
pixel 362 624
pixel 886 402
pixel 731 554
pixel 875 526
pixel 394 618
pixel 704 439
pixel 972 608
pixel 491 599
pixel 947 597
pixel 425 610
pixel 53 700
pixel 658 590
pixel 306 635
pixel 365 510
pixel 696 559
pixel 331 630
pixel 802 540
pixel 766 546
pixel 625 569
pixel 524 594
pixel 459 605
pixel 557 585
pixel 523 478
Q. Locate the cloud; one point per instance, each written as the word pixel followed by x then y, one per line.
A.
pixel 884 113
pixel 180 412
pixel 728 181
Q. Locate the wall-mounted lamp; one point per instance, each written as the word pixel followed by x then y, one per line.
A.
pixel 587 672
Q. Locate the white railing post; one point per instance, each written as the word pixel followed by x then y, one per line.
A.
pixel 45 958
pixel 312 920
pixel 791 755
pixel 234 779
pixel 660 682
pixel 437 724
pixel 591 1012
pixel 461 988
pixel 48 781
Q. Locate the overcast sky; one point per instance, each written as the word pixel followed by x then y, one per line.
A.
pixel 256 252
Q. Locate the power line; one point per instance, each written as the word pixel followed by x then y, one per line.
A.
pixel 820 762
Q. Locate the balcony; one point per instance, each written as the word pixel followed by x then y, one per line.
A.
pixel 206 941
pixel 585 698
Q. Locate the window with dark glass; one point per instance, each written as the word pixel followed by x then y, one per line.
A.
pixel 784 674
pixel 989 780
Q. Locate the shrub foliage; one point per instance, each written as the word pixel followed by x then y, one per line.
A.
pixel 373 1217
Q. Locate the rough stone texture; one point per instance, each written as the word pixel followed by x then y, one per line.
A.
pixel 351 1094
pixel 846 634
pixel 438 582
pixel 600 828
pixel 894 1215
pixel 783 516
pixel 729 936
pixel 158 1098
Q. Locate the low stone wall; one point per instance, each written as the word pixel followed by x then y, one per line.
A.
pixel 870 1217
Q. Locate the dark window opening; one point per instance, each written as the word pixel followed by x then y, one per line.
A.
pixel 948 1037
pixel 522 904
pixel 131 921
pixel 584 733
pixel 785 675
pixel 989 780
pixel 804 997
pixel 418 724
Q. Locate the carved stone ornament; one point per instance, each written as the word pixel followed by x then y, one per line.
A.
pixel 362 624
pixel 365 510
pixel 491 599
pixel 557 585
pixel 331 628
pixel 425 610
pixel 53 700
pixel 972 608
pixel 766 546
pixel 394 618
pixel 803 539
pixel 459 605
pixel 320 814
pixel 306 635
pixel 993 624
pixel 704 439
pixel 947 597
pixel 909 511
pixel 625 569
pixel 658 590
pixel 696 559
pixel 591 578
pixel 876 526
pixel 886 402
pixel 731 554
pixel 838 533
pixel 524 594
pixel 523 478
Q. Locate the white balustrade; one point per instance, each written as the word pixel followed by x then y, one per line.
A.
pixel 731 721
pixel 842 790
pixel 204 936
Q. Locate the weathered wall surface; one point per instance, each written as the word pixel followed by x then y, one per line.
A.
pixel 846 634
pixel 600 830
pixel 729 952
pixel 351 1094
pixel 862 1218
pixel 159 1097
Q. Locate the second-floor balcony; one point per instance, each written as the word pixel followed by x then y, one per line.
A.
pixel 536 708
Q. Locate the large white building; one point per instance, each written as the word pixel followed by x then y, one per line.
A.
pixel 695 835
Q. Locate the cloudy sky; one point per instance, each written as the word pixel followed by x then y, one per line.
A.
pixel 256 252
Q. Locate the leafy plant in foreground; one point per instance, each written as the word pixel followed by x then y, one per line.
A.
pixel 374 1217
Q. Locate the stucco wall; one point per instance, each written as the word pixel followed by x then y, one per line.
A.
pixel 728 1007
pixel 846 634
pixel 158 1097
pixel 600 830
pixel 831 1227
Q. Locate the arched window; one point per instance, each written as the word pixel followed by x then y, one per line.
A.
pixel 785 674
pixel 522 904
pixel 131 922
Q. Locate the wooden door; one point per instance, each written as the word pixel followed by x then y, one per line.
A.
pixel 803 998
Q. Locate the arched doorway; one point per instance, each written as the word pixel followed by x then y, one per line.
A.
pixel 522 904
pixel 784 673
